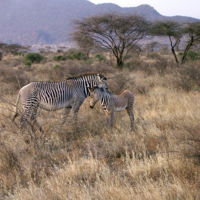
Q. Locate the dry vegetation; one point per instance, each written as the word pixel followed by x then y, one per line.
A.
pixel 159 160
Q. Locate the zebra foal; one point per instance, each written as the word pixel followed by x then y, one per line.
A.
pixel 113 103
pixel 51 96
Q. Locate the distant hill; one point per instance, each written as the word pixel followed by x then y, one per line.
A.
pixel 29 22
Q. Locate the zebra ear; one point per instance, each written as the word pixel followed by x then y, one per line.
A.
pixel 91 89
pixel 99 78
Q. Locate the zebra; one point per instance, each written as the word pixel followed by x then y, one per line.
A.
pixel 51 96
pixel 112 103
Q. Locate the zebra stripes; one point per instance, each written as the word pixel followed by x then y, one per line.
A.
pixel 113 103
pixel 53 96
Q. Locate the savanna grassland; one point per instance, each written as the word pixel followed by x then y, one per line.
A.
pixel 159 160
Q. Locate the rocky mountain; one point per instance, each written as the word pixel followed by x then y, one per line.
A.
pixel 42 22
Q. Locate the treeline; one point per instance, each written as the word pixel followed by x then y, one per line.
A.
pixel 121 34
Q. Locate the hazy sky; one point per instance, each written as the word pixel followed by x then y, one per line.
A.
pixel 189 8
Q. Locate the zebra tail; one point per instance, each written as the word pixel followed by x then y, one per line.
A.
pixel 16 113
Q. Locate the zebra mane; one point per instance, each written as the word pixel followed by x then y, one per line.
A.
pixel 121 91
pixel 103 90
pixel 85 75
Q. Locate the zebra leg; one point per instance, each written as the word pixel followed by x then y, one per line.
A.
pixel 66 113
pixel 75 109
pixel 23 120
pixel 111 120
pixel 108 118
pixel 29 111
pixel 33 118
pixel 77 104
pixel 75 115
pixel 131 117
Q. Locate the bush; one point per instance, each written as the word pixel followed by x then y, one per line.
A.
pixel 28 63
pixel 56 67
pixel 59 58
pixel 189 78
pixel 89 61
pixel 34 57
pixel 70 57
pixel 193 55
pixel 100 57
pixel 133 64
pixel 73 54
pixel 153 55
pixel 161 65
pixel 78 55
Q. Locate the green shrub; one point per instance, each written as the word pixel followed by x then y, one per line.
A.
pixel 73 54
pixel 70 57
pixel 28 63
pixel 56 67
pixel 193 55
pixel 127 64
pixel 58 58
pixel 180 53
pixel 78 55
pixel 88 61
pixel 100 57
pixel 128 56
pixel 34 57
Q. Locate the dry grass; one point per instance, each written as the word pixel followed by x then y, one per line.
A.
pixel 159 160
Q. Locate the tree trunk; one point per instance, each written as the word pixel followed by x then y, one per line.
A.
pixel 187 49
pixel 119 63
pixel 172 49
pixel 176 59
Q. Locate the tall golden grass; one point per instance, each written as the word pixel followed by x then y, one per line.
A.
pixel 159 160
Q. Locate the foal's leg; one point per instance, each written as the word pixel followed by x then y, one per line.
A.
pixel 131 117
pixel 111 120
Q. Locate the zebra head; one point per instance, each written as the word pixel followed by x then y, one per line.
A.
pixel 102 82
pixel 95 95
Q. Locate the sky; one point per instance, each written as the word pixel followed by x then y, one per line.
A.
pixel 189 8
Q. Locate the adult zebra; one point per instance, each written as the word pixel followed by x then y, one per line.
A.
pixel 68 94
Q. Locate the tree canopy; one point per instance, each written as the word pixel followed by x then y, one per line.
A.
pixel 116 32
pixel 192 31
pixel 171 29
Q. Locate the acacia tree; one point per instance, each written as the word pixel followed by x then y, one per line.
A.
pixel 116 32
pixel 171 29
pixel 192 31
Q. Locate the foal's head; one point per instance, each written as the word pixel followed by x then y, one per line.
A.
pixel 95 95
